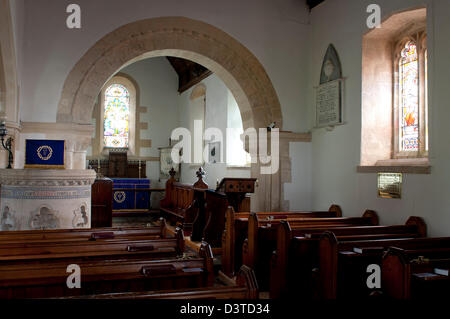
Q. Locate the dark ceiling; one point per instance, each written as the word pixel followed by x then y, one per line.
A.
pixel 313 3
pixel 189 73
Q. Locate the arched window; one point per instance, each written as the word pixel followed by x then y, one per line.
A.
pixel 394 126
pixel 409 98
pixel 411 87
pixel 116 116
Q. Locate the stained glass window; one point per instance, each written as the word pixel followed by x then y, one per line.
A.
pixel 409 98
pixel 117 111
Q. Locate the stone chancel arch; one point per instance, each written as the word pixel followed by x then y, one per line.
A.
pixel 175 36
pixel 194 40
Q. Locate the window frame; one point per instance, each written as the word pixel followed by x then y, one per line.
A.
pixel 420 39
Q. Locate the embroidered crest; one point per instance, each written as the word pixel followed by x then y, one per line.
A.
pixel 119 197
pixel 44 152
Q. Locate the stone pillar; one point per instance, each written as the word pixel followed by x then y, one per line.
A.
pixel 68 154
pixel 3 157
pixel 269 193
pixel 79 152
pixel 45 199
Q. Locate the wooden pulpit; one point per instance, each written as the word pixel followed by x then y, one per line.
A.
pixel 236 190
pixel 230 192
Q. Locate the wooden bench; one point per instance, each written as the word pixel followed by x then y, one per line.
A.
pixel 257 249
pixel 236 227
pixel 297 252
pixel 93 250
pixel 245 288
pixel 48 279
pixel 408 272
pixel 182 202
pixel 152 232
pixel 343 261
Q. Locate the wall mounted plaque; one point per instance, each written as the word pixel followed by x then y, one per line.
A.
pixel 329 94
pixel 329 104
pixel 166 163
pixel 390 185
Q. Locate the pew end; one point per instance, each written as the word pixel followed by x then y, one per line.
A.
pixel 337 209
pixel 181 246
pixel 246 278
pixel 163 226
pixel 328 265
pixel 278 263
pixel 394 282
pixel 373 217
pixel 206 253
pixel 419 223
pixel 228 240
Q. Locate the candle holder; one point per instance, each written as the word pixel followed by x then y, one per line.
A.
pixel 8 144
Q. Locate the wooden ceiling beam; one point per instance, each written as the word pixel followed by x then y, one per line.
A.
pixel 189 73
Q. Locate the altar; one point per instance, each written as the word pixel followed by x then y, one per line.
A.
pixel 131 195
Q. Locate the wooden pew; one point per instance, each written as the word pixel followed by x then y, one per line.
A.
pixel 84 234
pixel 110 248
pixel 236 227
pixel 409 272
pixel 182 202
pixel 338 259
pixel 257 249
pixel 48 279
pixel 245 288
pixel 297 252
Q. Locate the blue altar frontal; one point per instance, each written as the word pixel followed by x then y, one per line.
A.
pixel 130 200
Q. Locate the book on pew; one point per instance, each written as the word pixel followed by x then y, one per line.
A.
pixel 440 271
pixel 365 250
pixel 425 275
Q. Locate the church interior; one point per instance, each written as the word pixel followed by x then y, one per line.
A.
pixel 253 149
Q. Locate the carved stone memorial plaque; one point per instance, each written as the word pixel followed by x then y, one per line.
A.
pixel 329 94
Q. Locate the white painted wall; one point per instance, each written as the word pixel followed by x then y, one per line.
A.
pixel 298 191
pixel 275 31
pixel 336 154
pixel 217 100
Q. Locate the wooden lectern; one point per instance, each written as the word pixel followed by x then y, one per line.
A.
pixel 230 192
pixel 236 190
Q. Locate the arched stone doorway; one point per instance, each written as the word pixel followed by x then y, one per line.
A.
pixel 181 37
